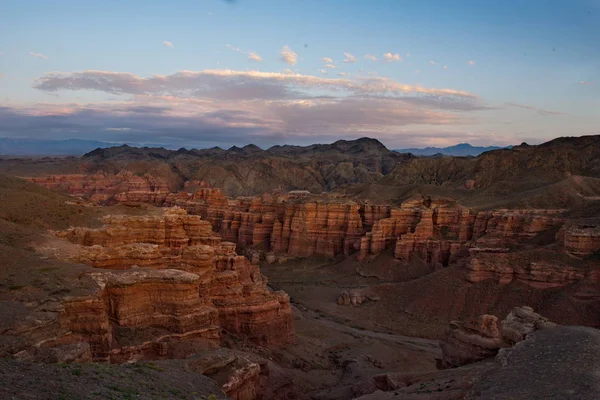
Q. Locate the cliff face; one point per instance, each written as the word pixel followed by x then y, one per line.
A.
pixel 582 240
pixel 505 267
pixel 274 226
pixel 173 288
pixel 105 188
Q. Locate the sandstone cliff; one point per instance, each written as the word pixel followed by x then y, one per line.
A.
pixel 173 288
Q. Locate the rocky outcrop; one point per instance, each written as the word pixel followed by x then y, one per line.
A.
pixel 237 376
pixel 433 231
pixel 356 297
pixel 104 188
pixel 172 289
pixel 582 240
pixel 533 269
pixel 324 229
pixel 482 337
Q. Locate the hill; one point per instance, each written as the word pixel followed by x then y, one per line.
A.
pixel 459 150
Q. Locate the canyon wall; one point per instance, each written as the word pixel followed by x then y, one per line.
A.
pixel 299 224
pixel 167 287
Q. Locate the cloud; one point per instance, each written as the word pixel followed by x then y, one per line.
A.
pixel 370 57
pixel 471 62
pixel 349 58
pixel 432 62
pixel 288 56
pixel 229 106
pixel 38 55
pixel 327 60
pixel 254 57
pixel 408 55
pixel 331 66
pixel 230 84
pixel 538 110
pixel 323 71
pixel 166 43
pixel 445 67
pixel 586 83
pixel 389 57
pixel 342 73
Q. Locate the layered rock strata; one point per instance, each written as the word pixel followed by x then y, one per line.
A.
pixel 172 289
pixel 104 188
pixel 437 232
pixel 582 240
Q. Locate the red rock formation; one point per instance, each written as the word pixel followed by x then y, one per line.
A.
pixel 504 267
pixel 582 240
pixel 437 232
pixel 188 285
pixel 515 223
pixel 325 229
pixel 108 188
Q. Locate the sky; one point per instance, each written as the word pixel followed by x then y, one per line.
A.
pixel 207 73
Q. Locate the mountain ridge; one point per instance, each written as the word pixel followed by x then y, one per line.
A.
pixel 458 150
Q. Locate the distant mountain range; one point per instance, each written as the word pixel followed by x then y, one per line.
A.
pixel 78 147
pixel 462 149
pixel 40 147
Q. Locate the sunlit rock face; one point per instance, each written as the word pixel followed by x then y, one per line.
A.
pixel 172 288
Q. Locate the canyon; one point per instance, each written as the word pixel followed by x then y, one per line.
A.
pixel 376 282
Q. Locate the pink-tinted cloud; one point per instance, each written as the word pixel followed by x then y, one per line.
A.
pixel 389 57
pixel 250 84
pixel 242 106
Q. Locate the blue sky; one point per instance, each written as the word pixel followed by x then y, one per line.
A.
pixel 410 73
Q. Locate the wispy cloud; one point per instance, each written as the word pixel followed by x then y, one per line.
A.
pixel 323 71
pixel 331 66
pixel 370 57
pixel 118 129
pixel 471 62
pixel 38 55
pixel 327 60
pixel 445 67
pixel 288 56
pixel 166 43
pixel 389 57
pixel 235 84
pixel 586 83
pixel 342 73
pixel 536 109
pixel 432 62
pixel 252 56
pixel 349 58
